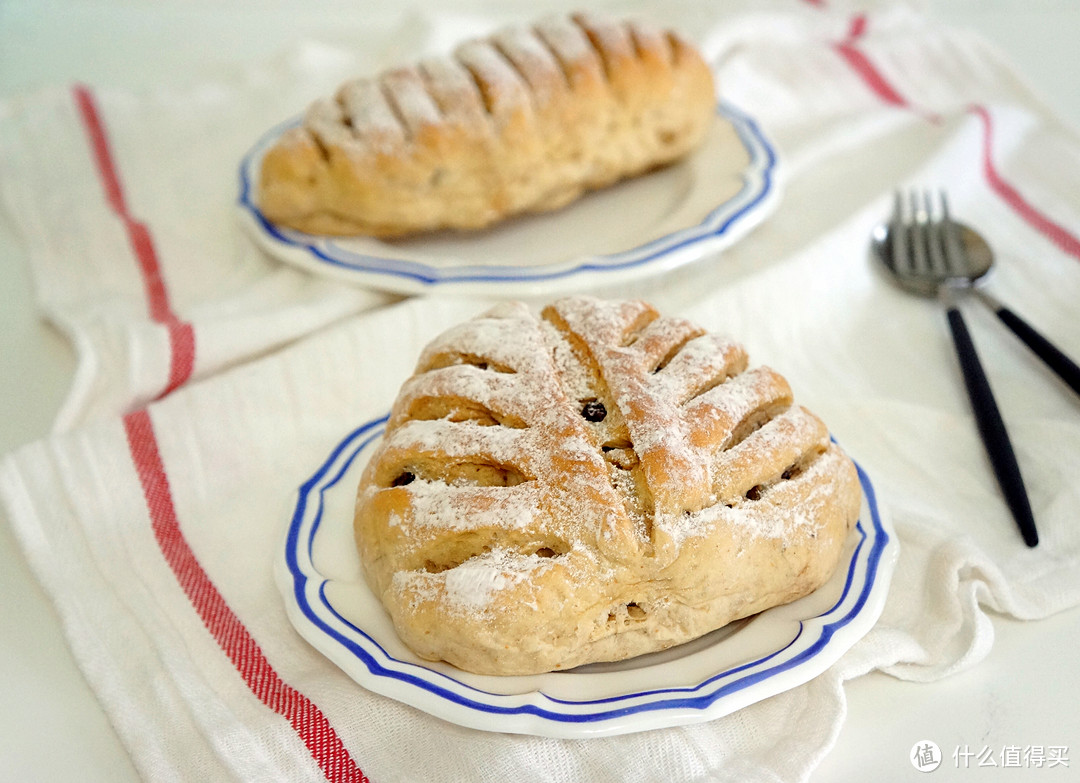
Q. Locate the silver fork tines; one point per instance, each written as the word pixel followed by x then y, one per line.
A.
pixel 956 263
pixel 899 258
pixel 937 227
pixel 924 241
pixel 922 233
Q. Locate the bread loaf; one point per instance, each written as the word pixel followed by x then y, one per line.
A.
pixel 590 485
pixel 523 121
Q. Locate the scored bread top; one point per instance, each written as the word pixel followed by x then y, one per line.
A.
pixel 525 119
pixel 591 484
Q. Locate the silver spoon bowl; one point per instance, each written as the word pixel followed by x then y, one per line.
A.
pixel 928 253
pixel 977 259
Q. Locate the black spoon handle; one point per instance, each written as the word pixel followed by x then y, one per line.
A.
pixel 1062 365
pixel 992 428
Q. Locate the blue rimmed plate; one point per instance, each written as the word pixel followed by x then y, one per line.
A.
pixel 320 577
pixel 640 227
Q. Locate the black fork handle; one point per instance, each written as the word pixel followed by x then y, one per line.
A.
pixel 1062 365
pixel 992 429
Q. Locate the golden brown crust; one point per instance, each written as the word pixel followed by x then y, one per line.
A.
pixel 593 484
pixel 525 120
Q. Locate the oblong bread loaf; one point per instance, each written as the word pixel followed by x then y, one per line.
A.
pixel 525 120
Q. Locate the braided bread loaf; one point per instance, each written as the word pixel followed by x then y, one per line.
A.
pixel 524 121
pixel 590 485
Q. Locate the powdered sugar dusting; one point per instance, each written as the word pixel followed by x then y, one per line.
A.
pixel 531 58
pixel 701 360
pixel 370 116
pixel 462 439
pixel 573 376
pixel 443 506
pixel 739 395
pixel 567 41
pixel 410 97
pixel 473 586
pixel 514 342
pixel 757 519
pixel 503 89
pixel 454 91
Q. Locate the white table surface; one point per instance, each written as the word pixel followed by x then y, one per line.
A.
pixel 51 725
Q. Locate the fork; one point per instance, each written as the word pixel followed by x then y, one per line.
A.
pixel 925 250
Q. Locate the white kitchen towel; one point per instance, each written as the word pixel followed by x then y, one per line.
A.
pixel 155 532
pixel 124 203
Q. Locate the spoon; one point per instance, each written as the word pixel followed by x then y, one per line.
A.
pixel 978 261
pixel 927 253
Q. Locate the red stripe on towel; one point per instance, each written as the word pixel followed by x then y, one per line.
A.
pixel 873 78
pixel 228 631
pixel 181 334
pixel 857 27
pixel 1055 232
pixel 861 64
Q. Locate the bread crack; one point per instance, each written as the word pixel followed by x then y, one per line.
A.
pixel 482 474
pixel 609 432
pixel 665 360
pixel 510 54
pixel 792 472
pixel 451 358
pixel 771 452
pixel 696 364
pixel 390 96
pixel 452 89
pixel 501 87
pixel 457 551
pixel 461 410
pixel 530 46
pixel 565 68
pixel 706 387
pixel 751 423
pixel 634 330
pixel 648 40
pixel 606 46
pixel 321 148
pixel 363 106
pixel 344 115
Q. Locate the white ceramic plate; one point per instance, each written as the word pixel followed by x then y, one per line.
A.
pixel 319 573
pixel 640 227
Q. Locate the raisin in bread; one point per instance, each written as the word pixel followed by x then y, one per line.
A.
pixel 593 484
pixel 523 121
